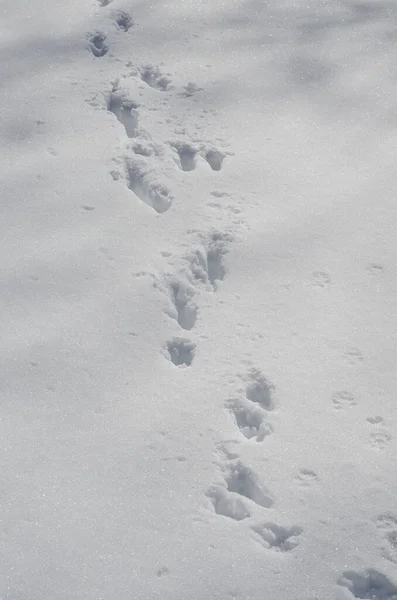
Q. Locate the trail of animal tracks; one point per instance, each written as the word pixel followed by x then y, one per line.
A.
pixel 199 292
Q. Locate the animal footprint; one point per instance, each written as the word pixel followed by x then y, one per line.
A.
pixel 215 159
pixel 125 110
pixel 343 399
pixel 103 3
pixel 376 420
pixel 184 309
pixel 228 505
pixel 259 390
pixel 190 89
pixel 375 269
pixel 391 555
pixel 98 43
pixel 387 521
pixel 388 524
pixel 142 180
pixel 215 269
pixel 379 436
pixel 180 351
pixel 242 481
pixel 206 264
pixel 353 356
pixel 191 155
pixel 153 77
pixel 277 538
pixel 123 20
pixel 251 420
pixel 240 485
pixel 187 154
pixel 370 585
pixel 144 147
pixel 306 477
pixel 379 439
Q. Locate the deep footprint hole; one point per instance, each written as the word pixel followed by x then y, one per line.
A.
pixel 259 391
pixel 98 44
pixel 186 157
pixel 181 351
pixel 216 270
pixel 369 585
pixel 215 159
pixel 151 192
pixel 184 305
pixel 229 506
pixel 125 112
pixel 242 481
pixel 154 79
pixel 123 21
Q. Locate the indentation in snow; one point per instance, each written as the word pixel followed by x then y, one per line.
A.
pixel 98 43
pixel 181 351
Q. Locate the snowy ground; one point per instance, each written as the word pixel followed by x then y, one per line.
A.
pixel 199 290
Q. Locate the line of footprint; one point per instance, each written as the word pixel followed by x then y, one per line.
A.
pixel 240 494
pixel 97 40
pixel 145 166
pixel 201 271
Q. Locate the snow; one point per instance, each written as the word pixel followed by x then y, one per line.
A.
pixel 199 286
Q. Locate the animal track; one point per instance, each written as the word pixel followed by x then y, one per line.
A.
pixel 125 110
pixel 387 521
pixel 206 264
pixel 181 351
pixel 277 538
pixel 143 182
pixel 376 420
pixel 242 481
pixel 306 477
pixel 144 147
pixel 215 269
pixel 123 20
pixel 250 413
pixel 375 269
pixel 354 356
pixel 98 43
pixel 190 89
pixel 251 420
pixel 153 77
pixel 103 3
pixel 187 154
pixel 259 390
pixel 215 159
pixel 391 553
pixel 140 166
pixel 190 155
pixel 219 194
pixel 320 279
pixel 228 505
pixel 184 309
pixel 388 524
pixel 379 439
pixel 343 399
pixel 369 585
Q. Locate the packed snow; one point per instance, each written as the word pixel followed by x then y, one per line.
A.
pixel 199 300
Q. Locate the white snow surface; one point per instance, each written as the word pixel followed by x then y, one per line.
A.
pixel 199 300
